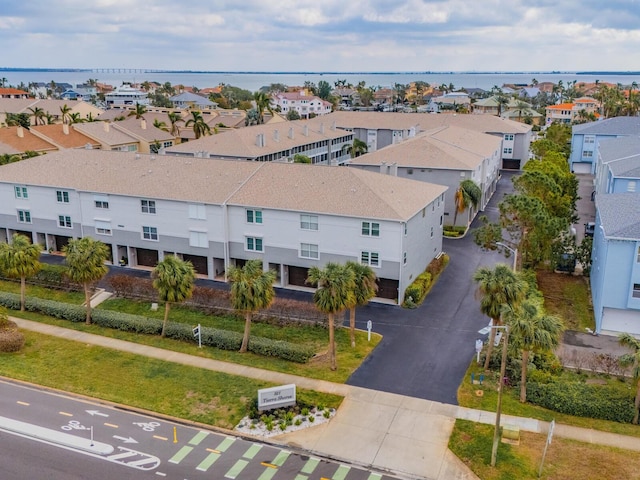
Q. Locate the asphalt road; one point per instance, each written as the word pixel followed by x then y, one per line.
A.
pixel 46 435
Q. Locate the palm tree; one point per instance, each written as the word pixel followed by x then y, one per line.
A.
pixel 335 292
pixel 20 259
pixel 50 118
pixel 357 148
pixel 76 118
pixel 65 110
pixel 160 125
pixel 365 289
pixel 263 102
pixel 173 278
pixel 85 265
pixel 174 118
pixel 468 194
pixel 200 127
pixel 633 359
pixel 139 111
pixel 38 115
pixel 530 331
pixel 251 290
pixel 496 288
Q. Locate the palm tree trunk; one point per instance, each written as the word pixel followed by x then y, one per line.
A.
pixel 492 339
pixel 332 343
pixel 637 404
pixel 87 299
pixel 247 329
pixel 23 289
pixel 523 376
pixel 167 306
pixel 352 326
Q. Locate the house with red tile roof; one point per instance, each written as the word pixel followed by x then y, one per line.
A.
pixel 20 140
pixel 13 93
pixel 306 105
pixel 568 112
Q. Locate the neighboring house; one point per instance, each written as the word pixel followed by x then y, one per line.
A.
pixel 192 101
pixel 445 156
pixel 218 214
pixel 569 112
pixel 618 166
pixel 316 139
pixel 20 140
pixel 86 93
pixel 529 92
pixel 64 136
pixel 305 105
pixel 585 138
pixel 108 137
pixel 126 95
pixel 49 106
pixel 13 93
pixel 486 106
pixel 347 96
pixel 615 269
pixel 150 139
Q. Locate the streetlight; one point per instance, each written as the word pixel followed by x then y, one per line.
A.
pixel 503 365
pixel 514 251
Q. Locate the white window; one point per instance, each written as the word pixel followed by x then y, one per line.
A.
pixel 62 196
pixel 308 250
pixel 404 258
pixel 587 154
pixel 371 229
pixel 198 239
pixel 167 144
pixel 64 221
pixel 309 222
pixel 150 233
pixel 370 258
pixel 254 244
pixel 431 232
pixel 589 139
pixel 21 192
pixel 148 206
pixel 636 290
pixel 631 186
pixel 24 216
pixel 508 150
pixel 254 216
pixel 102 227
pixel 197 212
pixel 508 137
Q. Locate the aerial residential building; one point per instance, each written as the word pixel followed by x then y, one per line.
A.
pixel 108 137
pixel 188 100
pixel 569 112
pixel 306 105
pixel 217 214
pixel 20 140
pixel 126 95
pixel 618 165
pixel 13 93
pixel 585 138
pixel 50 107
pixel 63 135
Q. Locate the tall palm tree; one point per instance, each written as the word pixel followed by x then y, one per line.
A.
pixel 50 118
pixel 20 259
pixel 38 114
pixel 467 195
pixel 76 118
pixel 174 118
pixel 160 125
pixel 530 330
pixel 497 287
pixel 173 278
pixel 139 111
pixel 335 292
pixel 85 265
pixel 632 359
pixel 365 289
pixel 263 102
pixel 200 127
pixel 357 148
pixel 65 110
pixel 251 290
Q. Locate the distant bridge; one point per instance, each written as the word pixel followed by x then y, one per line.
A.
pixel 124 70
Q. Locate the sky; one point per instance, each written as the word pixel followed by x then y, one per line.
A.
pixel 322 35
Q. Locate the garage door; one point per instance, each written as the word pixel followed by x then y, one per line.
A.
pixel 147 258
pixel 387 288
pixel 581 167
pixel 298 276
pixel 199 263
pixel 511 163
pixel 621 321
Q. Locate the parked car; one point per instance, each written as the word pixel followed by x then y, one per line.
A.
pixel 589 229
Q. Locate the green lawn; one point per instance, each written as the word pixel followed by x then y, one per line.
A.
pixel 77 298
pixel 185 392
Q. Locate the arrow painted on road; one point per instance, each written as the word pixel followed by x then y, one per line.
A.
pixel 96 412
pixel 124 439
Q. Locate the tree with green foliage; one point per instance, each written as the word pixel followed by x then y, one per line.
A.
pixel 198 124
pixel 263 102
pixel 76 118
pixel 173 278
pixel 365 289
pixel 324 89
pixel 251 291
pixel 85 258
pixel 17 120
pixel 174 118
pixel 632 359
pixel 497 287
pixel 65 111
pixel 20 259
pixel 300 158
pixel 293 115
pixel 530 330
pixel 357 148
pixel 161 125
pixel 38 114
pixel 138 111
pixel 335 292
pixel 468 194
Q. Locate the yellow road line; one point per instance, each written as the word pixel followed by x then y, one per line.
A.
pixel 160 438
pixel 212 450
pixel 22 403
pixel 66 414
pixel 270 465
pixel 110 425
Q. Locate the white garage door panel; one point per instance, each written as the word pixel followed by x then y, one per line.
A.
pixel 581 168
pixel 621 321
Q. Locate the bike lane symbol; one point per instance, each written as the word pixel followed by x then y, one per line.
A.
pixel 148 426
pixel 74 425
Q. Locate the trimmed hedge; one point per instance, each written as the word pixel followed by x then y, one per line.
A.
pixel 583 400
pixel 223 339
pixel 415 293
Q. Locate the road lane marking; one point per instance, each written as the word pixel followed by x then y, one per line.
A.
pixel 270 465
pixel 341 473
pixel 280 458
pixel 208 461
pixel 111 425
pixel 66 414
pixel 212 450
pixel 201 435
pixel 225 444
pixel 162 474
pixel 236 469
pixel 158 437
pixel 268 474
pixel 183 452
pixel 22 403
pixel 310 466
pixel 253 450
pixel 301 477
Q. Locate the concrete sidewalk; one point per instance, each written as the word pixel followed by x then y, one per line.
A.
pixel 404 435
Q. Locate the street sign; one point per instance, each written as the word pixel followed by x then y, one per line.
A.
pixel 369 327
pixel 277 397
pixel 198 335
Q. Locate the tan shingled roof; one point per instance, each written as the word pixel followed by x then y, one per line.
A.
pixel 7 149
pixel 448 148
pixel 241 142
pixel 133 126
pixel 28 141
pixel 55 133
pixel 16 105
pixel 96 130
pixel 297 187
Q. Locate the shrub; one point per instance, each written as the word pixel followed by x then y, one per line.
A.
pixel 415 293
pixel 583 400
pixel 11 339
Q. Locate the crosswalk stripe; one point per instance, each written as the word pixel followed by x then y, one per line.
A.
pixel 253 450
pixel 374 476
pixel 268 474
pixel 183 452
pixel 301 477
pixel 281 458
pixel 225 444
pixel 201 435
pixel 236 469
pixel 310 466
pixel 208 461
pixel 341 473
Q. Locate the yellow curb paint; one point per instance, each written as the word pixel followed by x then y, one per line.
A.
pixel 111 425
pixel 22 403
pixel 270 465
pixel 66 414
pixel 160 438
